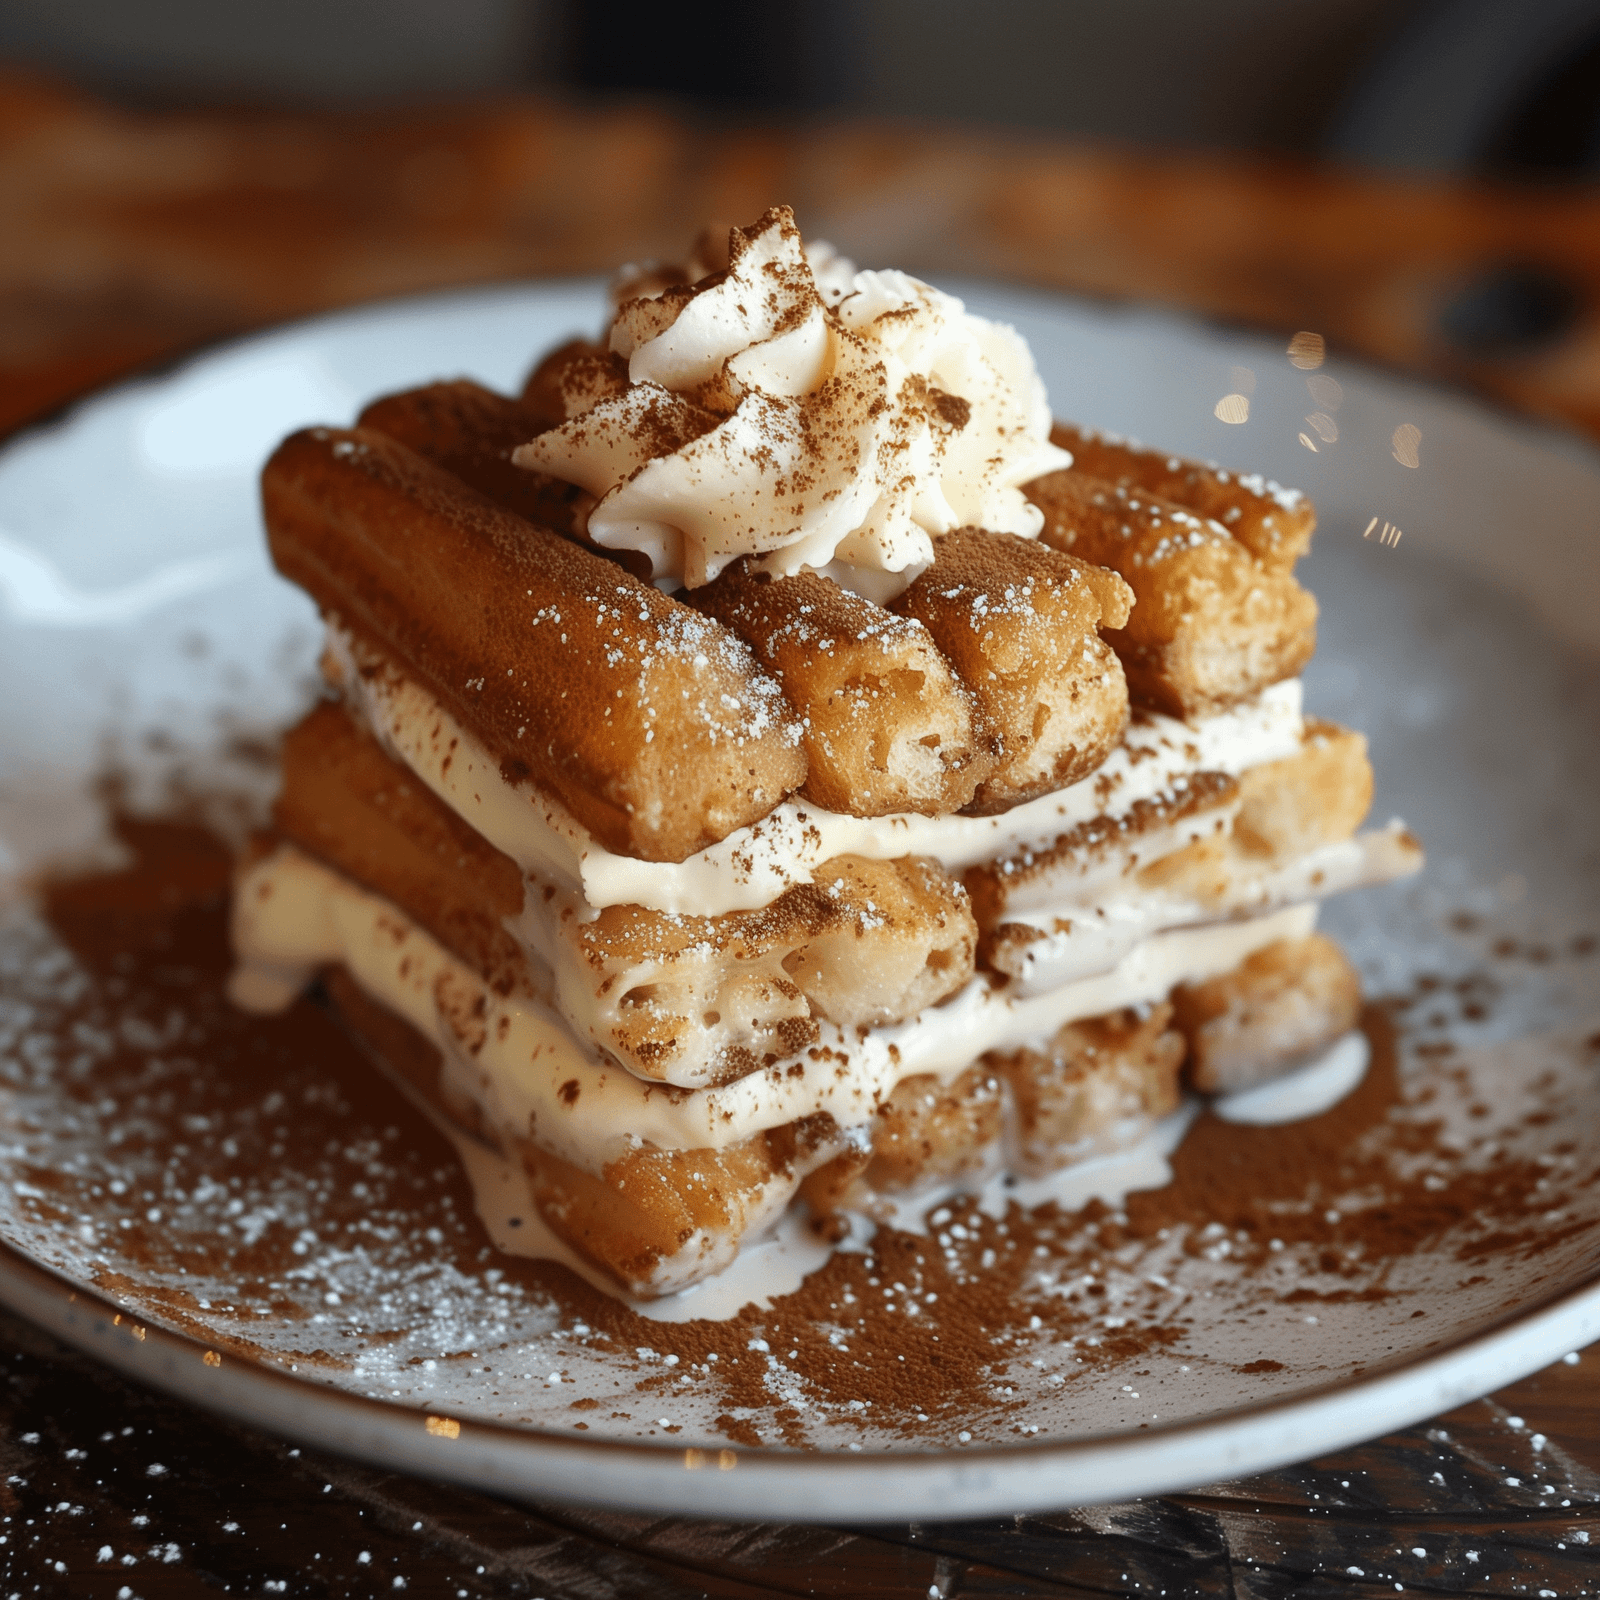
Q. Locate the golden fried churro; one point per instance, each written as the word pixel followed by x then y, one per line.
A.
pixel 1096 1086
pixel 889 727
pixel 1274 524
pixel 1274 1010
pixel 1019 622
pixel 471 431
pixel 704 1000
pixel 1320 794
pixel 346 802
pixel 651 723
pixel 926 1133
pixel 1213 624
pixel 573 377
pixel 658 1220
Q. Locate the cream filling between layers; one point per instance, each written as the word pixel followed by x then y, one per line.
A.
pixel 754 865
pixel 517 1059
pixel 1079 937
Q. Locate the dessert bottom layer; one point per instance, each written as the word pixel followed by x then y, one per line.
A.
pixel 658 1186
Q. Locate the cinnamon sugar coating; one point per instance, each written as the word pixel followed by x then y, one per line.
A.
pixel 1018 622
pixel 1273 523
pixel 652 724
pixel 1214 622
pixel 888 727
pixel 573 377
pixel 1276 1008
pixel 472 431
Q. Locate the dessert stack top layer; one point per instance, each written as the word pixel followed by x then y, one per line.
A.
pixel 891 591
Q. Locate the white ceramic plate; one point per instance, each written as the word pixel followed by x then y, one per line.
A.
pixel 141 626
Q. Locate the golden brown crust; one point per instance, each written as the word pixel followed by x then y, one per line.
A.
pixel 1213 624
pixel 344 801
pixel 1275 525
pixel 1018 622
pixel 1317 796
pixel 1097 1085
pixel 471 431
pixel 1274 1010
pixel 651 723
pixel 656 1220
pixel 570 379
pixel 889 727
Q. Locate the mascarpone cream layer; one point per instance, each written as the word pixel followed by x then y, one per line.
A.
pixel 754 865
pixel 517 1059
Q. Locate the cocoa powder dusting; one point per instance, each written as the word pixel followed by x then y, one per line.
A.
pixel 255 1183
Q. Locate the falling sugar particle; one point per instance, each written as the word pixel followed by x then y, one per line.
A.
pixel 1232 408
pixel 1407 442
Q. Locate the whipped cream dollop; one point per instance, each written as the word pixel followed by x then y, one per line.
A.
pixel 791 409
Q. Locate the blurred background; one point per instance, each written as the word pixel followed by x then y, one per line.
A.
pixel 1416 179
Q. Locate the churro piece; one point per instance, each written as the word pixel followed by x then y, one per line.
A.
pixel 1320 794
pixel 1286 809
pixel 1273 523
pixel 703 1000
pixel 1018 622
pixel 1213 624
pixel 346 802
pixel 1097 1086
pixel 652 1220
pixel 471 431
pixel 573 377
pixel 926 1133
pixel 1275 1009
pixel 888 727
pixel 652 724
pixel 658 1220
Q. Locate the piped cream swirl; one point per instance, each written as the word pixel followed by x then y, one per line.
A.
pixel 831 427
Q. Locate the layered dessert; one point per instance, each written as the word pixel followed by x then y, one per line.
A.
pixel 768 763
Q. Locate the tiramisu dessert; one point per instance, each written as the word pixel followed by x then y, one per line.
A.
pixel 766 763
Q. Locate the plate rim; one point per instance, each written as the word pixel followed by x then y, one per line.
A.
pixel 819 1485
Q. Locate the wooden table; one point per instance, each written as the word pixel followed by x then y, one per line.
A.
pixel 132 237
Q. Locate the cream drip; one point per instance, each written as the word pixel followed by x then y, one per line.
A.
pixel 804 425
